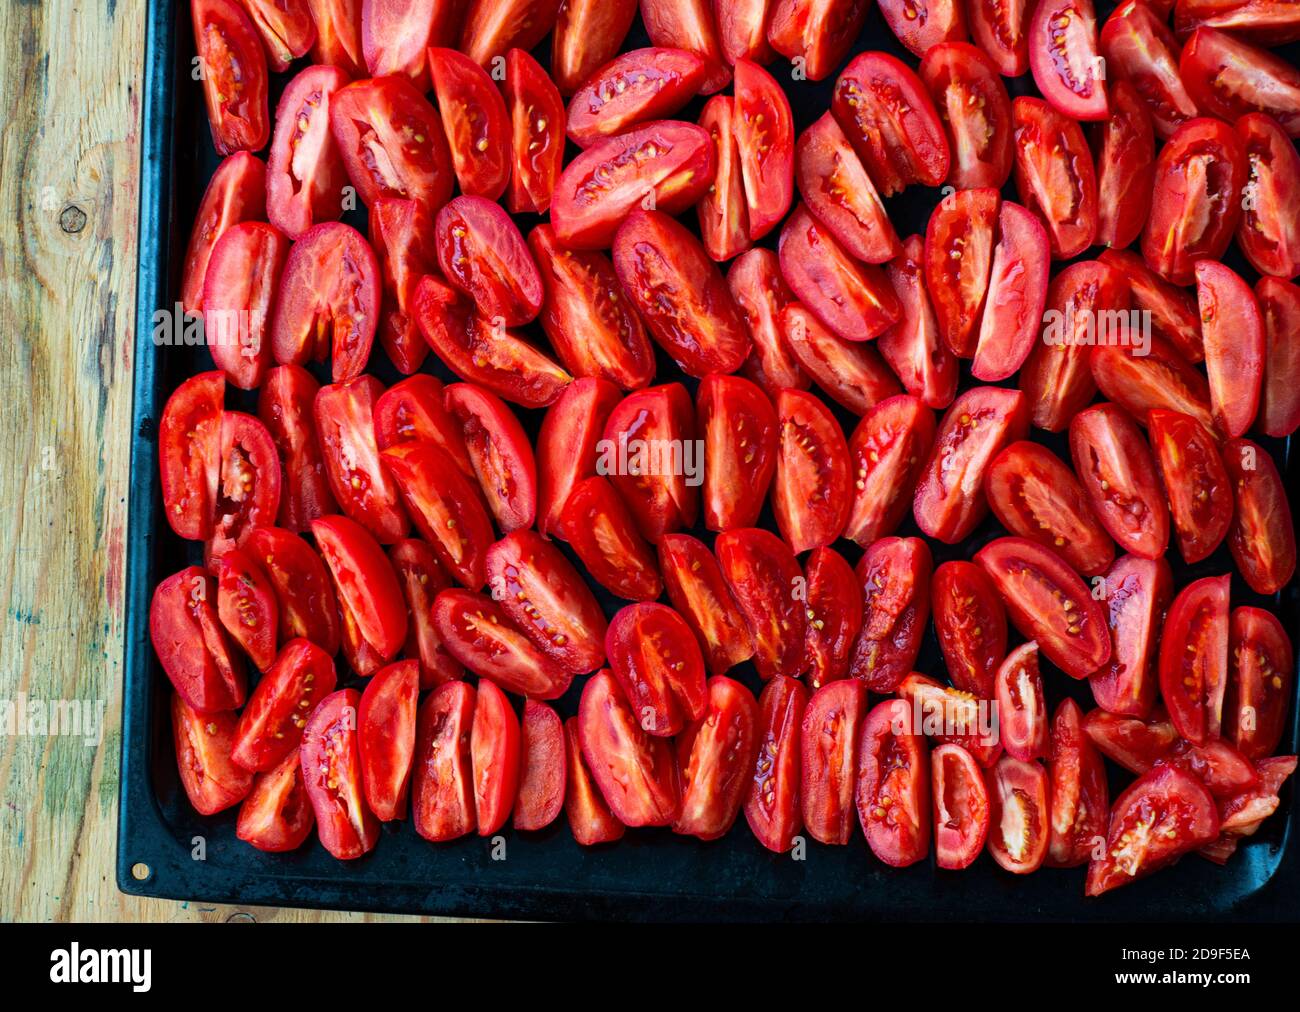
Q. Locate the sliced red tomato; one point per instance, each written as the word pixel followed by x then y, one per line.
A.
pixel 566 446
pixel 830 741
pixel 1125 150
pixel 272 723
pixel 588 34
pixel 494 743
pixel 958 258
pixel 234 75
pixel 971 624
pixel 1267 22
pixel 1262 535
pixel 193 648
pixel 922 24
pixel 1174 316
pixel 475 120
pixel 189 454
pixel 635 86
pixel 1159 380
pixel 248 495
pixel 1233 332
pixel 853 373
pixel 817 32
pixel 286 407
pixel 953 716
pixel 1259 684
pixel 740 431
pixel 1001 29
pixel 763 575
pixel 810 492
pixel 590 819
pixel 656 659
pixel 1269 233
pixel 834 612
pixel 1139 48
pixel 761 293
pixel 401 232
pixel 396 33
pixel 1241 817
pixel 236 192
pixel 742 30
pixel 386 721
pixel 1063 56
pixel 543 778
pixel 537 133
pixel 414 411
pixel 305 176
pixel 338 35
pixel 1055 175
pixel 1020 823
pixel 1138 592
pixel 893 789
pixel 1194 658
pixel 603 534
pixel 1136 744
pixel 961 807
pixel 246 605
pixel 716 757
pixel 914 347
pixel 773 807
pixel 482 253
pixel 894 574
pixel 1078 796
pixel 493 27
pixel 1194 479
pixel 442 795
pixel 422 579
pixel 276 816
pixel 1017 293
pixel 331 768
pixel 689 25
pixel 212 781
pixel 500 452
pixel 1228 78
pixel 887 453
pixel 975 109
pixel 765 139
pixel 1279 402
pixel 238 289
pixel 1022 711
pixel 1049 603
pixel 698 591
pixel 723 215
pixel 302 584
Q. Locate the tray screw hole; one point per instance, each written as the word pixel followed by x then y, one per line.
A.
pixel 72 219
pixel 141 871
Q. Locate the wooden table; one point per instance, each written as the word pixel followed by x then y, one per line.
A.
pixel 70 82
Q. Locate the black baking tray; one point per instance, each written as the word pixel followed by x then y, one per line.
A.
pixel 650 874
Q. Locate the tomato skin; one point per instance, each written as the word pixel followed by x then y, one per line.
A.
pixel 761 293
pixel 979 131
pixel 308 609
pixel 829 741
pixel 958 257
pixel 386 718
pixel 853 373
pixel 542 773
pixel 740 430
pixel 894 574
pixel 1020 824
pixel 246 605
pixel 476 123
pixel 834 613
pixel 762 572
pixel 1001 29
pixel 1174 316
pixel 1234 345
pixel 1125 151
pixel 442 795
pixel 887 453
pixel 925 25
pixel 1035 583
pixel 715 755
pixel 482 253
pixel 1062 41
pixel 961 807
pixel 494 745
pixel 212 781
pixel 1262 535
pixel 1022 711
pixel 603 533
pixel 820 32
pixel 588 34
pixel 305 175
pixel 189 454
pixel 1078 796
pixel 276 816
pixel 395 35
pixel 633 87
pixel 773 807
pixel 893 789
pixel 1051 147
pixel 493 27
pixel 422 579
pixel 566 446
pixel 810 492
pixel 1140 49
pixel 248 495
pixel 952 716
pixel 1136 744
pixel 1228 78
pixel 698 591
pixel 401 232
pixel 1269 232
pixel 971 624
pixel 338 35
pixel 1138 592
pixel 286 407
pixel 537 143
pixel 238 290
pixel 332 773
pixel 1160 380
pixel 500 452
pixel 1195 480
pixel 1194 658
pixel 689 25
pixel 1259 685
pixel 193 648
pixel 723 215
pixel 590 819
pixel 234 79
pixel 236 192
pixel 742 31
pixel 765 139
pixel 1265 22
pixel 1279 402
pixel 657 661
pixel 914 347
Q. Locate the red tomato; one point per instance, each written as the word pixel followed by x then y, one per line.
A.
pixel 680 293
pixel 698 591
pixel 191 645
pixel 285 407
pixel 1161 817
pixel 1234 345
pixel 893 783
pixel 723 215
pixel 370 599
pixel 894 574
pixel 1259 685
pixel 636 773
pixel 1055 175
pixel 1078 794
pixel 1262 535
pixel 635 86
pixel 853 373
pixel 542 774
pixel 537 133
pixel 272 723
pixel 763 575
pixel 1229 77
pixel 950 500
pixel 477 631
pixel 761 293
pixel 961 807
pixel 302 584
pixel 834 613
pixel 475 121
pixel 1160 380
pixel 331 769
pixel 386 737
pixel 1241 816
pixel 236 192
pixel 773 807
pixel 716 757
pixel 401 232
pixel 396 33
pixel 914 347
pixel 1269 233
pixel 1268 22
pixel 971 624
pixel 952 716
pixel 189 454
pixel 276 816
pixel 234 75
pixel 500 452
pixel 829 739
pixel 338 35
pixel 482 253
pixel 1138 592
pixel 414 411
pixel 1001 29
pixel 765 138
pixel 1135 744
pixel 1118 473
pixel 739 428
pixel 958 257
pixel 603 534
pixel 689 25
pixel 919 26
pixel 1195 480
pixel 1196 200
pixel 589 816
pixel 1020 824
pixel 1063 56
pixel 742 30
pixel 817 32
pixel 887 454
pixel 212 781
pixel 1194 658
pixel 246 605
pixel 494 757
pixel 1125 150
pixel 667 165
pixel 1279 402
pixel 1173 310
pixel 1048 602
pixel 422 579
pixel 493 27
pixel 1139 48
pixel 305 177
pixel 566 446
pixel 238 289
pixel 811 492
pixel 1017 292
pixel 654 655
pixel 588 34
pixel 1022 711
pixel 248 495
pixel 975 110
pixel 442 797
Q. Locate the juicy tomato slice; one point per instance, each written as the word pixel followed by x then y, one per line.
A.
pixel 415 410
pixel 246 605
pixel 671 161
pixel 476 123
pixel 1036 496
pixel 887 452
pixel 716 757
pixel 961 807
pixel 234 75
pixel 1135 744
pixel 479 633
pixel 236 192
pixel 740 431
pixel 1138 592
pixel 1049 603
pixel 1174 316
pixel 975 109
pixel 680 294
pixel 971 624
pixel 331 768
pixel 392 142
pixel 893 789
pixel 500 452
pixel 1262 535
pixel 401 232
pixel 542 774
pixel 1279 402
pixel 370 599
pixel 1055 175
pixel 890 119
pixel 830 741
pixel 1159 380
pixel 950 499
pixel 422 579
pixel 1079 798
pixel 834 613
pixel 853 373
pixel 953 716
pixel 1063 57
pixel 1022 711
pixel 1259 686
pixel 587 316
pixel 286 407
pixel 189 454
pixel 1194 658
pixel 1241 816
pixel 248 494
pixel 386 721
pixel 958 258
pixel 1162 816
pixel 329 301
pixel 308 609
pixel 1019 823
pixel 305 175
pixel 723 214
pixel 394 36
pixel 1139 48
pixel 811 491
pixel 1196 199
pixel 493 27
pixel 913 347
pixel 1269 233
pixel 761 293
pixel 537 134
pixel 193 648
pixel 894 574
pixel 763 573
pixel 1233 332
pixel 1195 480
pixel 442 798
pixel 1000 28
pixel 819 32
pixel 742 31
pixel 773 807
pixel 1267 22
pixel 921 25
pixel 603 533
pixel 272 723
pixel 1017 293
pixel 765 138
pixel 639 85
pixel 547 598
pixel 338 35
pixel 212 780
pixel 1228 78
pixel 689 25
pixel 482 253
pixel 494 747
pixel 276 816
pixel 1118 474
pixel 590 819
pixel 635 772
pixel 698 591
pixel 588 34
pixel 1125 149
pixel 566 446
pixel 656 659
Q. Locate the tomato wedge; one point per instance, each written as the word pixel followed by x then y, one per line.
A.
pixel 396 33
pixel 716 756
pixel 723 215
pixel 566 446
pixel 953 716
pixel 834 613
pixel 913 347
pixel 773 807
pixel 635 86
pixel 422 579
pixel 371 605
pixel 1055 175
pixel 698 591
pixel 761 293
pixel 338 35
pixel 331 769
pixel 442 794
pixel 1279 402
pixel 500 452
pixel 1234 345
pixel 234 75
pixel 1017 293
pixel 1062 41
pixel 543 778
pixel 893 790
pixel 212 781
pixel 656 659
pixel 189 454
pixel 478 632
pixel 975 110
pixel 302 587
pixel 830 743
pixel 1262 535
pixel 246 605
pixel 238 290
pixel 926 23
pixel 236 192
pixel 810 493
pixel 305 176
pixel 1228 78
pixel 494 757
pixel 971 624
pixel 1020 824
pixel 958 258
pixel 1125 150
pixel 1022 711
pixel 193 648
pixel 286 407
pixel 1159 380
pixel 1194 658
pixel 537 133
pixel 763 573
pixel 590 819
pixel 817 33
pixel 1174 316
pixel 1269 233
pixel 603 534
pixel 853 373
pixel 1267 22
pixel 476 122
pixel 272 723
pixel 765 140
pixel 1139 48
pixel 894 574
pixel 401 232
pixel 689 25
pixel 740 431
pixel 887 454
pixel 588 34
pixel 1259 685
pixel 1078 795
pixel 742 30
pixel 1138 592
pixel 961 807
pixel 386 721
pixel 482 253
pixel 1241 816
pixel 1195 480
pixel 276 816
pixel 493 27
pixel 1001 29
pixel 248 495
